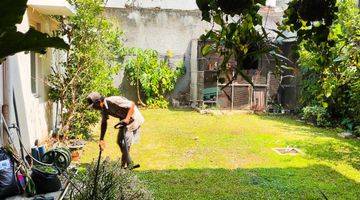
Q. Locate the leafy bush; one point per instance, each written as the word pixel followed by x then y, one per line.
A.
pixel 331 70
pixel 317 115
pixel 113 183
pixel 152 75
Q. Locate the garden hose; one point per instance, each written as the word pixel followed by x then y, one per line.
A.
pixel 58 157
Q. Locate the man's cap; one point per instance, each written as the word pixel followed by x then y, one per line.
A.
pixel 93 97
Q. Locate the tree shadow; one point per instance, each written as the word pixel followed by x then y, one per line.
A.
pixel 181 109
pixel 324 143
pixel 313 182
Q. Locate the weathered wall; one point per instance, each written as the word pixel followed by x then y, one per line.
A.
pixel 163 4
pixel 161 30
pixel 169 25
pixel 175 4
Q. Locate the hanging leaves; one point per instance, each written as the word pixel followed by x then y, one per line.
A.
pixel 235 36
pixel 311 19
pixel 13 41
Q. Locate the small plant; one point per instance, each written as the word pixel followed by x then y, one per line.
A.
pixel 274 107
pixel 357 131
pixel 317 115
pixel 113 183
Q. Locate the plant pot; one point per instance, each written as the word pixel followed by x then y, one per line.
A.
pixel 45 182
pixel 75 155
pixel 76 144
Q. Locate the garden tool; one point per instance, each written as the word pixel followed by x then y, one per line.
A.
pixel 97 173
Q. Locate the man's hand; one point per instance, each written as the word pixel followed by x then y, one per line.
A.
pixel 102 145
pixel 126 120
pixel 130 113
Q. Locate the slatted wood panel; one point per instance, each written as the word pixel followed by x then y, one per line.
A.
pixel 242 97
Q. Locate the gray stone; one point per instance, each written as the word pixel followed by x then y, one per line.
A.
pixel 346 135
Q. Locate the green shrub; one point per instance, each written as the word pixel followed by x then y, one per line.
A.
pixel 113 183
pixel 317 115
pixel 330 70
pixel 152 76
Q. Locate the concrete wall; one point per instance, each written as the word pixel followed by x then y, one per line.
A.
pixel 165 30
pixel 163 4
pixel 176 4
pixel 162 30
pixel 34 109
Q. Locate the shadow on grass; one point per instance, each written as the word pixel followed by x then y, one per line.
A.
pixel 329 147
pixel 260 183
pixel 181 109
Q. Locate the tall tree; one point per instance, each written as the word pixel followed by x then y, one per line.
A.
pixel 96 51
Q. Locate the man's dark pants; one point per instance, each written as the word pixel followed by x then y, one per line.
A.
pixel 124 147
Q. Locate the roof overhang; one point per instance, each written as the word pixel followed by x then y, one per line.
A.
pixel 52 7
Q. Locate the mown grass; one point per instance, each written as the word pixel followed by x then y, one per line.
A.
pixel 185 155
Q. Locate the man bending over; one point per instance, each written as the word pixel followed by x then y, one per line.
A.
pixel 128 113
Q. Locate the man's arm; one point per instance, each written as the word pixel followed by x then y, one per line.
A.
pixel 103 131
pixel 103 128
pixel 130 113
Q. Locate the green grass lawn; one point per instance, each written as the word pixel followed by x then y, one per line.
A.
pixel 185 155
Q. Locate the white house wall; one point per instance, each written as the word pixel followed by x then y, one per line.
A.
pixel 34 111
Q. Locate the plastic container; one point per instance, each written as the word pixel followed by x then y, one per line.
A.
pixel 35 153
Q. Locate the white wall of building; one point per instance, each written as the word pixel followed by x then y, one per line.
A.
pixel 34 109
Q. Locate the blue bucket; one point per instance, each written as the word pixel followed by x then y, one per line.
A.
pixel 41 150
pixel 35 153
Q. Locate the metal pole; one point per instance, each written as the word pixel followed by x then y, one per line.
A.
pixel 232 91
pixel 18 127
pixel 217 92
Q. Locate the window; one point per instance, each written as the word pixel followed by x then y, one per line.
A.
pixel 33 72
pixel 34 66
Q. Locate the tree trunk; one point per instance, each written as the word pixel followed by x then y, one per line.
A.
pixel 138 94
